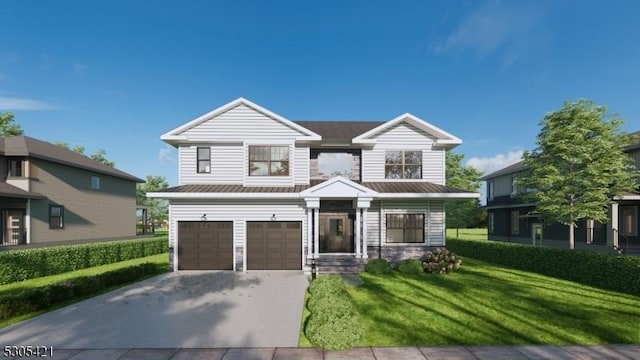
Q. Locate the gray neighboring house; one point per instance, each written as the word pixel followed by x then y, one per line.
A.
pixel 260 192
pixel 51 195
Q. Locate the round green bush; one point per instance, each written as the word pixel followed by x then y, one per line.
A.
pixel 378 266
pixel 410 266
pixel 335 333
pixel 339 304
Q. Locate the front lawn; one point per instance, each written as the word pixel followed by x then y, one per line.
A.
pixel 482 304
pixel 468 234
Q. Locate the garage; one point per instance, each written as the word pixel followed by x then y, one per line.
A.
pixel 274 245
pixel 205 245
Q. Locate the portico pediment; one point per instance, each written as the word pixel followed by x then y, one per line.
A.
pixel 338 187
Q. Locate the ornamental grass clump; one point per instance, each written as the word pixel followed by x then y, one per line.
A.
pixel 441 261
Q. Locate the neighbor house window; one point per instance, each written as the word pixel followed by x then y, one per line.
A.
pixel 204 160
pixel 490 190
pixel 491 223
pixel 95 183
pixel 403 165
pixel 515 222
pixel 629 220
pixel 56 217
pixel 16 168
pixel 405 228
pixel 514 186
pixel 268 160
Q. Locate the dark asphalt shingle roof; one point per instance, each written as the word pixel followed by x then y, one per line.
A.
pixel 519 166
pixel 30 147
pixel 14 192
pixel 339 131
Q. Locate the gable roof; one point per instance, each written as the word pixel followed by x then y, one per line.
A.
pixel 442 137
pixel 513 168
pixel 176 134
pixel 30 147
pixel 15 192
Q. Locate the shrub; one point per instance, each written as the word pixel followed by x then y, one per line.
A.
pixel 29 300
pixel 378 266
pixel 441 261
pixel 606 271
pixel 333 304
pixel 19 265
pixel 326 284
pixel 410 266
pixel 335 333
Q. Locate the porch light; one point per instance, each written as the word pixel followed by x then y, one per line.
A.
pixel 203 217
pixel 273 217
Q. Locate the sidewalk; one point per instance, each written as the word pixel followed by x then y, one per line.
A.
pixel 626 352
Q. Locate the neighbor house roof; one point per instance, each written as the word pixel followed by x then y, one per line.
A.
pixel 30 147
pixel 517 167
pixel 15 192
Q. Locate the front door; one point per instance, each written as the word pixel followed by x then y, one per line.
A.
pixel 13 227
pixel 336 233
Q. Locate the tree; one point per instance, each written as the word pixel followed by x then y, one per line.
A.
pixel 8 126
pixel 578 165
pixel 464 212
pixel 98 155
pixel 157 209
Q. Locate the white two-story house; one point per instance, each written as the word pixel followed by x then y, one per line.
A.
pixel 260 192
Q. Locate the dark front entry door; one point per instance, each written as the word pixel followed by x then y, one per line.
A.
pixel 336 233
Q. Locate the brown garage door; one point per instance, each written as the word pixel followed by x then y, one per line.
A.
pixel 205 245
pixel 274 245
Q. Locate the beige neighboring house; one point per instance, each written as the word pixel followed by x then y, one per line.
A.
pixel 50 195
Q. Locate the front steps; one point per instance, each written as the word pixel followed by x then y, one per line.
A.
pixel 340 264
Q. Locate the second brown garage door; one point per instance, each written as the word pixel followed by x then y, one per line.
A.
pixel 274 245
pixel 205 245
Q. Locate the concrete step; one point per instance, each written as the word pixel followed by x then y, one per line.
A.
pixel 341 269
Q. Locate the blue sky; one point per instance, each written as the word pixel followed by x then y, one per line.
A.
pixel 118 74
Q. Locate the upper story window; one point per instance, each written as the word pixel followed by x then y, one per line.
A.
pixel 204 160
pixel 490 190
pixel 56 217
pixel 16 168
pixel 403 165
pixel 95 183
pixel 268 160
pixel 514 185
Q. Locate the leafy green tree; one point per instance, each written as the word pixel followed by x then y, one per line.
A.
pixel 578 165
pixel 8 126
pixel 461 213
pixel 157 209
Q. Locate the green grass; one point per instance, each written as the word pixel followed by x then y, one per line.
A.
pixel 161 260
pixel 468 234
pixel 482 304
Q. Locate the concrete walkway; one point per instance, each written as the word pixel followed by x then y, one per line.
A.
pixel 183 309
pixel 623 352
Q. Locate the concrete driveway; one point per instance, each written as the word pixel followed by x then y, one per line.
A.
pixel 177 310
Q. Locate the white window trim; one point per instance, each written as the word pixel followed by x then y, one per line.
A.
pixel 403 150
pixel 246 145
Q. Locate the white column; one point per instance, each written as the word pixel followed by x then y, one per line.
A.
pixel 309 233
pixel 316 233
pixel 358 239
pixel 364 233
pixel 27 221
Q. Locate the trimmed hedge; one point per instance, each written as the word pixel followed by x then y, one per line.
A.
pixel 19 265
pixel 29 300
pixel 606 271
pixel 334 323
pixel 378 266
pixel 410 266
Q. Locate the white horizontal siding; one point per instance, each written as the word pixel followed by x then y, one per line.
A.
pixel 301 164
pixel 373 224
pixel 436 224
pixel 403 135
pixel 433 165
pixel 226 165
pixel 372 164
pixel 238 211
pixel 239 124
